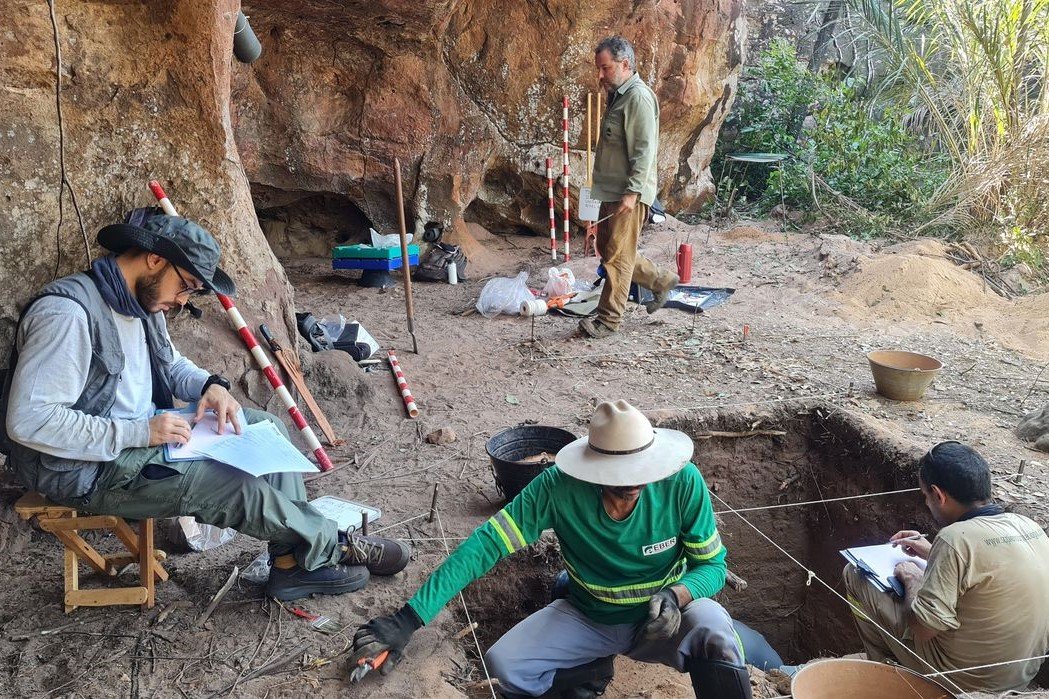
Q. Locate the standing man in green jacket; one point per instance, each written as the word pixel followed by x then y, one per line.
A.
pixel 625 183
pixel 643 555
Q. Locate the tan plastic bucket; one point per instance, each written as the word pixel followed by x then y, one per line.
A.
pixel 902 375
pixel 842 678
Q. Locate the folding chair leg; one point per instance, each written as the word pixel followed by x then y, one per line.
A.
pixel 72 578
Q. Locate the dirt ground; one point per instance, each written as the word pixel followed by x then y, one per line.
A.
pixel 814 304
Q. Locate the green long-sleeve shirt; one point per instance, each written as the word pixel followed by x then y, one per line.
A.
pixel 625 160
pixel 614 567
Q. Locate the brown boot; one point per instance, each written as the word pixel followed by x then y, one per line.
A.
pixel 661 296
pixel 595 329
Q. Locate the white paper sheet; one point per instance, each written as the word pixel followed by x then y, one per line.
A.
pixel 204 434
pixel 879 562
pixel 259 450
pixel 589 208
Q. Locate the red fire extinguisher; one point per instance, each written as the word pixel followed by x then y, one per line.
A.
pixel 684 263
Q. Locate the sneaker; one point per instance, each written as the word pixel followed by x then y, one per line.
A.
pixel 294 583
pixel 661 296
pixel 595 329
pixel 382 556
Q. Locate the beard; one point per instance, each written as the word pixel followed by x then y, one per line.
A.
pixel 627 492
pixel 147 292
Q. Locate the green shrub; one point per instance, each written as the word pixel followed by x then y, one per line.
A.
pixel 863 154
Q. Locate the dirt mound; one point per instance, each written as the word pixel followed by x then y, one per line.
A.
pixel 476 242
pixel 917 281
pixel 745 232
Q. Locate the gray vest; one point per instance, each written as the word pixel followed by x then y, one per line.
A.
pixel 64 480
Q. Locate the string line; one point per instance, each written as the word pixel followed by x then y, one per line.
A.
pixel 817 502
pixel 989 665
pixel 469 621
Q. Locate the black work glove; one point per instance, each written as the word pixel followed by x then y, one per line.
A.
pixel 664 618
pixel 386 633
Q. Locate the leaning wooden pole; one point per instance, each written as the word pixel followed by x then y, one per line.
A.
pixel 406 268
pixel 237 321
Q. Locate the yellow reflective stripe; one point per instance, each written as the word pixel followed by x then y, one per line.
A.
pixel 628 594
pixel 513 526
pixel 502 535
pixel 705 556
pixel 704 550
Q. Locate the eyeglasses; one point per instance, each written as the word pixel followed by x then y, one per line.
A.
pixel 187 288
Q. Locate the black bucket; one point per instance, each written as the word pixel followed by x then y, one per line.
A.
pixel 507 448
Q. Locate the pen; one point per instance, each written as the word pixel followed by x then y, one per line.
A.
pixel 192 424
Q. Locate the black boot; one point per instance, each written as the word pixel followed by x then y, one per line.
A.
pixel 716 679
pixel 584 681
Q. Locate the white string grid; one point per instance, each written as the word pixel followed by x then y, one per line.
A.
pixel 469 621
pixel 812 575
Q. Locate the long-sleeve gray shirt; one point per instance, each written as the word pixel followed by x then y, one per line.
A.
pixel 54 348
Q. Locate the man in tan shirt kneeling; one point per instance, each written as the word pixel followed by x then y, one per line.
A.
pixel 983 597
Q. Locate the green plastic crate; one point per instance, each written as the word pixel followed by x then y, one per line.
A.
pixel 367 252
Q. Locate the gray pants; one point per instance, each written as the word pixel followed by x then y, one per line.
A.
pixel 560 636
pixel 140 483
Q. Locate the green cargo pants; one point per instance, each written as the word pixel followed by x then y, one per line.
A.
pixel 140 483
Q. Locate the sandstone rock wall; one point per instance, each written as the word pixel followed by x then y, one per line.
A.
pixel 145 94
pixel 468 95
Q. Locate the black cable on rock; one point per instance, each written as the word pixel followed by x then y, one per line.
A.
pixel 64 182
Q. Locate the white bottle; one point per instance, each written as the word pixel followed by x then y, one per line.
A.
pixel 453 273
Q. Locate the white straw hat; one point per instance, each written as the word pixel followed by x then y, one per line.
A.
pixel 624 449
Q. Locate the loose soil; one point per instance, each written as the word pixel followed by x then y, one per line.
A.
pixel 815 305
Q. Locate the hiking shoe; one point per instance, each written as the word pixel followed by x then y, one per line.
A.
pixel 294 583
pixel 382 556
pixel 595 329
pixel 661 296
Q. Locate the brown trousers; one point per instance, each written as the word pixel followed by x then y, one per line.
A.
pixel 888 612
pixel 617 244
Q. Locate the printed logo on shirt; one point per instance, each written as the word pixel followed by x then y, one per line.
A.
pixel 653 549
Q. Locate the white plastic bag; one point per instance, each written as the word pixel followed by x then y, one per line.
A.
pixel 333 325
pixel 258 571
pixel 504 295
pixel 560 282
pixel 199 537
pixel 390 240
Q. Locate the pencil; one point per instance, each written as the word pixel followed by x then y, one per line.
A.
pixel 912 537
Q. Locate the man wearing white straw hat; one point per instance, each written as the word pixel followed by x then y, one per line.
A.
pixel 643 556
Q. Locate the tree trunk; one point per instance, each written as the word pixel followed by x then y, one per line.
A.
pixel 831 14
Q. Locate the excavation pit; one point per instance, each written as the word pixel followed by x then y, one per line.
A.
pixel 793 455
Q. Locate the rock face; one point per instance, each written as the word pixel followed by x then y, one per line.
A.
pixel 468 95
pixel 1034 427
pixel 145 94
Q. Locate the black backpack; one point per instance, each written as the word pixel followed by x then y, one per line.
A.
pixel 434 267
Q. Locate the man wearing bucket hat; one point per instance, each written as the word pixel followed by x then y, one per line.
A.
pixel 91 364
pixel 982 600
pixel 643 556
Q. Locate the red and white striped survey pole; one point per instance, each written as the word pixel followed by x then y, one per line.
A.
pixel 550 199
pixel 402 383
pixel 564 151
pixel 237 321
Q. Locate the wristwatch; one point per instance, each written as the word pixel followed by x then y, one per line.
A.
pixel 216 379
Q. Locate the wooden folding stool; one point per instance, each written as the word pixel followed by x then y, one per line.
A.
pixel 64 523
